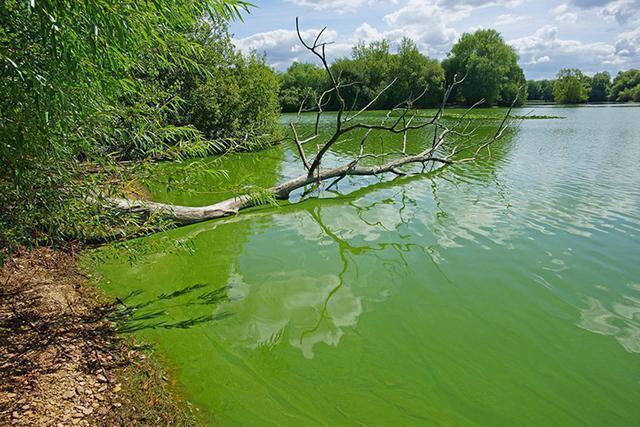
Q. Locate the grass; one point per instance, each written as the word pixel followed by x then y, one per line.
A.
pixel 149 396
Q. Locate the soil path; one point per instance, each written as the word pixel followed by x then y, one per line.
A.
pixel 61 361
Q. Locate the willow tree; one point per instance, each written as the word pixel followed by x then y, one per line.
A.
pixel 63 66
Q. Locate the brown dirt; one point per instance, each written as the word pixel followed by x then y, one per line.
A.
pixel 61 361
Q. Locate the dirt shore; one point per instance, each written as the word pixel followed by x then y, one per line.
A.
pixel 61 360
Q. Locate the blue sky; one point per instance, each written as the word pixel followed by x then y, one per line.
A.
pixel 593 35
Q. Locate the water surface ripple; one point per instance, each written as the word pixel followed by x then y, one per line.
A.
pixel 505 292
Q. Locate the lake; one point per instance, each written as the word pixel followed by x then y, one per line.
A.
pixel 501 292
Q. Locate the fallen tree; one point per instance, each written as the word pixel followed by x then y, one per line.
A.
pixel 401 120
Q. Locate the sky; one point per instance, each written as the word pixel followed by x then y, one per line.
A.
pixel 593 35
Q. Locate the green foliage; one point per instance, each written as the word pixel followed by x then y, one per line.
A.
pixel 600 87
pixel 415 73
pixel 372 67
pixel 626 86
pixel 546 90
pixel 490 66
pixel 220 100
pixel 236 101
pixel 571 86
pixel 630 94
pixel 92 82
pixel 301 84
pixel 540 90
pixel 533 90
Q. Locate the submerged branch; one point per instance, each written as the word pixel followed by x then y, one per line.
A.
pixel 437 149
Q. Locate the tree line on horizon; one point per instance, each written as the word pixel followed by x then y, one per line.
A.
pixel 572 86
pixel 488 62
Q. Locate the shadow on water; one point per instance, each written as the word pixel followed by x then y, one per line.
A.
pixel 154 313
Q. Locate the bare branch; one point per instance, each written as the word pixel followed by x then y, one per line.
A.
pixel 299 145
pixel 401 120
pixel 366 107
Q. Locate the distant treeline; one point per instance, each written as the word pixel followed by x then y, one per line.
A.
pixel 489 64
pixel 572 86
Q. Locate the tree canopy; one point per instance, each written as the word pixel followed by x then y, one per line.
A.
pixel 415 73
pixel 540 90
pixel 490 68
pixel 571 86
pixel 626 86
pixel 600 87
pixel 302 82
pixel 372 67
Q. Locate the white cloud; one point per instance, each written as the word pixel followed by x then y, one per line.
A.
pixel 628 47
pixel 283 47
pixel 621 11
pixel 475 4
pixel 560 9
pixel 537 50
pixel 367 33
pixel 430 22
pixel 567 18
pixel 625 14
pixel 448 10
pixel 436 24
pixel 539 60
pixel 425 23
pixel 339 6
pixel 563 14
pixel 351 6
pixel 508 19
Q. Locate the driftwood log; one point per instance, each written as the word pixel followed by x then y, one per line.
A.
pixel 402 119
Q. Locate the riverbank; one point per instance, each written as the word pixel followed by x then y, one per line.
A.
pixel 63 363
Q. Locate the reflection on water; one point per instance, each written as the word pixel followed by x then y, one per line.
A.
pixel 499 293
pixel 309 310
pixel 315 309
pixel 621 321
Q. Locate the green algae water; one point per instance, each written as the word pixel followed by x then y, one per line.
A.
pixel 502 292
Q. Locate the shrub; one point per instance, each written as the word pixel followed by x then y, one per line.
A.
pixel 93 82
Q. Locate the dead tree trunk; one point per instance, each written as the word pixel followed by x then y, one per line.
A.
pixel 400 120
